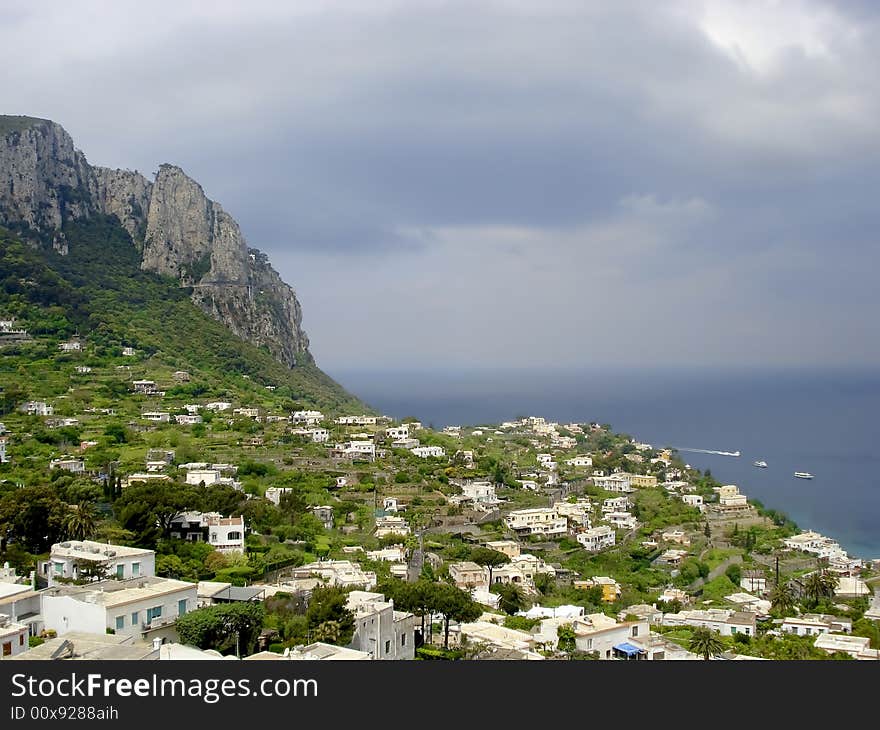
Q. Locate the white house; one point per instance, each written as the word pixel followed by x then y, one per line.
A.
pixel 615 504
pixel 188 419
pixel 694 500
pixel 396 433
pixel 144 386
pixel 537 521
pixel 145 608
pixel 425 452
pixel 253 413
pixel 342 573
pixel 357 420
pixel 208 476
pixel 358 448
pixel 37 408
pixel 13 637
pixel 597 538
pixel 614 483
pixel 226 534
pixel 621 520
pixel 729 496
pixel 128 352
pixel 274 494
pixel 813 624
pixel 68 463
pixel 67 559
pixel 595 634
pixel 580 461
pixel 725 621
pixel 3 458
pixel 157 416
pixel 391 525
pixel 311 418
pixel 218 406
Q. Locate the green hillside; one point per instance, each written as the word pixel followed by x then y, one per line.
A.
pixel 99 293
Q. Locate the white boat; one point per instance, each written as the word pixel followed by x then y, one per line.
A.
pixel 760 464
pixel 803 475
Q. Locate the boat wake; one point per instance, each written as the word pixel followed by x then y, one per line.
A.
pixel 709 451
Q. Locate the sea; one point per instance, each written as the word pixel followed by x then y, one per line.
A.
pixel 821 422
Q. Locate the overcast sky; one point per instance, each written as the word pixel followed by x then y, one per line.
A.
pixel 491 184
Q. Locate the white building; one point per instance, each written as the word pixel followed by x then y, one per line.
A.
pixel 208 476
pixel 358 448
pixel 68 463
pixel 357 420
pixel 615 504
pixel 813 624
pixel 578 513
pixel 597 538
pixel 621 520
pixel 730 496
pixel 218 406
pixel 144 386
pixel 425 452
pixel 37 408
pixel 391 525
pixel 580 461
pixel 128 352
pixel 613 483
pixel 396 433
pixel 694 500
pixel 274 494
pixel 310 418
pixel 379 629
pixel 157 416
pixel 189 419
pixel 145 608
pixel 253 413
pixel 67 560
pixel 606 638
pixel 725 621
pixel 70 346
pixel 3 458
pixel 342 573
pixel 537 521
pixel 13 637
pixel 225 534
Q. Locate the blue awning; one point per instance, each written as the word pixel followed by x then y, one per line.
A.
pixel 627 648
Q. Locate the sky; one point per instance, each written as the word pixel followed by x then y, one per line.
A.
pixel 506 184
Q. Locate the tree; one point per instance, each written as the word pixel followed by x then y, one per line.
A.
pixel 81 521
pixel 512 597
pixel 705 642
pixel 328 604
pixel 489 558
pixel 566 638
pixel 783 598
pixel 734 572
pixel 453 604
pixel 147 509
pixel 223 627
pixel 34 517
pixel 820 584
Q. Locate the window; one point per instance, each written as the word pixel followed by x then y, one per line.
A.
pixel 21 639
pixel 120 623
pixel 7 648
pixel 135 569
pixel 120 571
pixel 59 568
pixel 387 647
pixel 154 613
pixel 635 630
pixel 135 618
pixel 403 640
pixel 181 607
pixel 234 536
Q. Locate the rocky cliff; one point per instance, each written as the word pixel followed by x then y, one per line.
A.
pixel 45 182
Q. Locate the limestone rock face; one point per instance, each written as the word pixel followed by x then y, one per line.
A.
pixel 45 182
pixel 125 194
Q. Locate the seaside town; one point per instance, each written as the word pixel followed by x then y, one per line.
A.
pixel 147 512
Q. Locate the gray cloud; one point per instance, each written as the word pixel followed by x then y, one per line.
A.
pixel 505 182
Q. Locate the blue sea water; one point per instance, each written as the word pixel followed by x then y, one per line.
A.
pixel 825 423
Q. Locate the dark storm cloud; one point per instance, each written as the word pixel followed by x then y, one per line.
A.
pixel 442 175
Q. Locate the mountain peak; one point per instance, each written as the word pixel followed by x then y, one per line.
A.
pixel 46 183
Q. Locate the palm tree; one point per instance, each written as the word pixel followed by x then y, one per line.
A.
pixel 706 642
pixel 82 520
pixel 820 584
pixel 783 597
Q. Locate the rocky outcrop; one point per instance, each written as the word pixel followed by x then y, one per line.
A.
pixel 125 194
pixel 45 182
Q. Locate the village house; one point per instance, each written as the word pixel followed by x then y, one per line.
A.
pixel 128 352
pixel 607 639
pixel 671 594
pixel 725 621
pixel 70 346
pixel 640 481
pixel 621 520
pixel 310 418
pixel 597 538
pixel 83 369
pixel 324 513
pixel 147 387
pixel 537 521
pixel 145 607
pixel 671 557
pixel 225 534
pixel 507 547
pixel 476 491
pixel 68 561
pixel 676 536
pixel 3 457
pixel 356 420
pixel 187 419
pixel 753 581
pixel 274 494
pixel 613 483
pixel 611 589
pixel 858 647
pixel 433 452
pixel 252 413
pixel 145 477
pixel 218 406
pixel 469 576
pixel 357 449
pixel 578 513
pixel 729 496
pixel 341 573
pixel 68 463
pixel 580 461
pixel 203 476
pixel 616 504
pixel 13 637
pixel 814 543
pixel 390 554
pixel 379 629
pixel 693 500
pixel 490 634
pixel 397 433
pixel 37 408
pixel 156 416
pixel 813 624
pixel 391 525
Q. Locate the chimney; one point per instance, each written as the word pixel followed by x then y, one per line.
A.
pixel 157 642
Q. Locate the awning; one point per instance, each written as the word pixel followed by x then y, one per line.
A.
pixel 627 648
